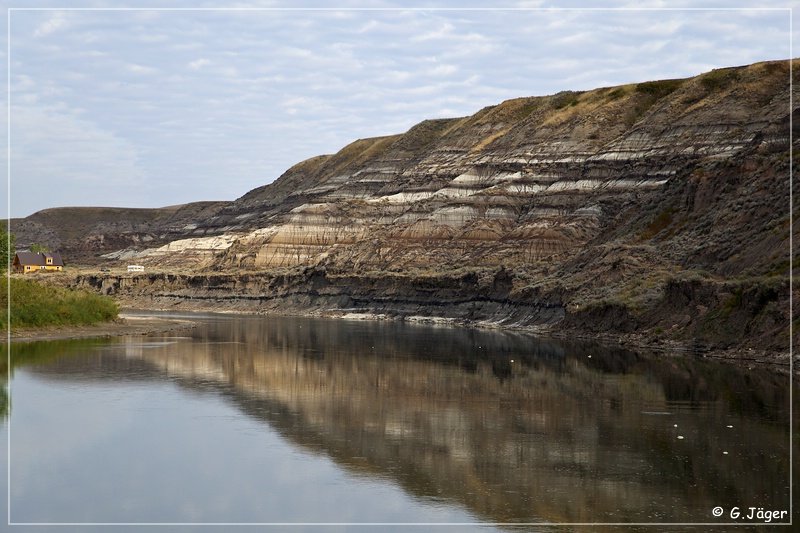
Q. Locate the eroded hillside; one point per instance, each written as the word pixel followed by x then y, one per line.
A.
pixel 659 207
pixel 83 234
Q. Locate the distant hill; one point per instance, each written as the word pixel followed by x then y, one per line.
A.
pixel 82 234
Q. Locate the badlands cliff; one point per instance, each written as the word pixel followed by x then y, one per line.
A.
pixel 659 209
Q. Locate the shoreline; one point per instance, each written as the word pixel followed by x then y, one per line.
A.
pixel 135 324
pixel 125 324
pixel 743 357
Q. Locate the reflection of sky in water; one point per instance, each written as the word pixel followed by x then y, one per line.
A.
pixel 191 458
pixel 328 421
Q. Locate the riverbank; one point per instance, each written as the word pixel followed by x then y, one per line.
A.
pixel 444 301
pixel 743 357
pixel 125 324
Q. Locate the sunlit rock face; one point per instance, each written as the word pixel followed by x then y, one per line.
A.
pixel 530 181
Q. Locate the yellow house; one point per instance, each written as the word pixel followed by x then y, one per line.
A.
pixel 27 262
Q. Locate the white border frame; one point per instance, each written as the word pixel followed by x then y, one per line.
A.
pixel 789 10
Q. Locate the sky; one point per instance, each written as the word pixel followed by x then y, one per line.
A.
pixel 148 108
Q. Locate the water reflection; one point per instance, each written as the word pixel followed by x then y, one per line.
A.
pixel 513 429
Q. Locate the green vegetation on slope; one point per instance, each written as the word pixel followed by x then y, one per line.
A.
pixel 36 305
pixel 7 245
pixel 719 78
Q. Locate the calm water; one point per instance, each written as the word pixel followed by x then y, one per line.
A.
pixel 252 419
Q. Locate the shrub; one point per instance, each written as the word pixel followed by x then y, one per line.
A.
pixel 564 99
pixel 661 221
pixel 659 89
pixel 617 93
pixel 718 79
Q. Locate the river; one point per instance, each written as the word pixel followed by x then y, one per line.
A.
pixel 250 419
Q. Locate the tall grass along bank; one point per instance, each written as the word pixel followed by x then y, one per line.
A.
pixel 37 305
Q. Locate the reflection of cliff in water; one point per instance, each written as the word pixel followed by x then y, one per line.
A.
pixel 516 430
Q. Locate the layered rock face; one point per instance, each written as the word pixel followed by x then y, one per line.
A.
pixel 529 182
pixel 82 234
pixel 660 205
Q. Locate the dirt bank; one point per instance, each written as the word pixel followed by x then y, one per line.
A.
pixel 744 357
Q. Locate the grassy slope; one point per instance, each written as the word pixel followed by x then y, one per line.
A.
pixel 36 305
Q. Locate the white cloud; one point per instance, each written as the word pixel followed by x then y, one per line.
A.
pixel 153 38
pixel 229 71
pixel 23 82
pixel 396 76
pixel 372 25
pixel 56 21
pixel 298 53
pixel 197 64
pixel 271 88
pixel 140 69
pixel 444 31
pixel 442 70
pixel 60 159
pixel 185 46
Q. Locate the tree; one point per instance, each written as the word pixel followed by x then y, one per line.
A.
pixel 6 249
pixel 39 248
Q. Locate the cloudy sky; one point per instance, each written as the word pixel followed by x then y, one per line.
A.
pixel 146 108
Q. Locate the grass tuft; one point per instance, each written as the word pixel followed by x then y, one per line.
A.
pixel 719 79
pixel 660 88
pixel 617 93
pixel 661 221
pixel 565 99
